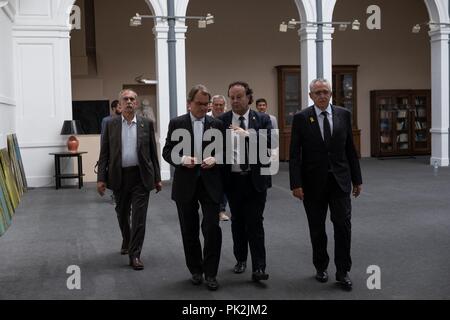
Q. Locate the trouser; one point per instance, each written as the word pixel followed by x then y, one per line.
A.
pixel 131 208
pixel 247 207
pixel 340 213
pixel 208 262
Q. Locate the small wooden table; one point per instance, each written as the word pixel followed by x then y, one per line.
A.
pixel 58 176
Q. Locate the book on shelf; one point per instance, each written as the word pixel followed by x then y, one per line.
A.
pixel 421 125
pixel 402 137
pixel 385 139
pixel 421 112
pixel 401 114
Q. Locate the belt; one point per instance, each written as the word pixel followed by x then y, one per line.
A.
pixel 133 168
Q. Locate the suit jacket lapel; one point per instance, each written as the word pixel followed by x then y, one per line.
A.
pixel 252 123
pixel 314 122
pixel 139 132
pixel 117 133
pixel 337 121
pixel 188 126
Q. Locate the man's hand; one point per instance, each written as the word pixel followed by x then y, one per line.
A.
pixel 357 190
pixel 298 193
pixel 158 186
pixel 189 162
pixel 238 130
pixel 208 163
pixel 101 188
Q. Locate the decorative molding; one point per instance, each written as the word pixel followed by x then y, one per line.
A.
pixel 40 15
pixel 7 101
pixel 440 131
pixel 9 9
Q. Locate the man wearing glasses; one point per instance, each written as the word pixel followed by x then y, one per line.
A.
pixel 128 165
pixel 323 166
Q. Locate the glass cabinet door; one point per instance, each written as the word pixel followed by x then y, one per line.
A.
pixel 344 88
pixel 385 124
pixel 402 119
pixel 292 99
pixel 421 120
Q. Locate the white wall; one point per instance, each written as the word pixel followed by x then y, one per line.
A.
pixel 390 58
pixel 42 67
pixel 7 98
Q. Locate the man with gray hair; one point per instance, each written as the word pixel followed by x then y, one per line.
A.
pixel 129 165
pixel 323 165
pixel 218 107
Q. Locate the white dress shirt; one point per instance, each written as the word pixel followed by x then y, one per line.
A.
pixel 320 118
pixel 235 140
pixel 129 143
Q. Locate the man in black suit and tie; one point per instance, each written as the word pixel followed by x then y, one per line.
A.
pixel 323 165
pixel 245 186
pixel 197 179
pixel 128 165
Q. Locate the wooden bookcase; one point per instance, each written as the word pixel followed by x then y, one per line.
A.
pixel 289 100
pixel 400 122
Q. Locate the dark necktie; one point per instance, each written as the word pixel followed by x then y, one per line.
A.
pixel 244 166
pixel 326 129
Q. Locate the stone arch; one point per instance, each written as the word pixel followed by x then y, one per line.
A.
pixel 437 10
pixel 306 10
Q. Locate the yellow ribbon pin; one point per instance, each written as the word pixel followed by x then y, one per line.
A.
pixel 311 119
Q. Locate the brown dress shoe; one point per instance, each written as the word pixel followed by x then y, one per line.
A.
pixel 136 263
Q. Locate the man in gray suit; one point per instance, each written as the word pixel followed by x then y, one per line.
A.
pixel 128 165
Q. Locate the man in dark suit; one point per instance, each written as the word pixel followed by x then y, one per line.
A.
pixel 245 186
pixel 323 165
pixel 128 165
pixel 197 179
pixel 116 109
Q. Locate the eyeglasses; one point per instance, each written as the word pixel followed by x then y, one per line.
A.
pixel 321 92
pixel 129 98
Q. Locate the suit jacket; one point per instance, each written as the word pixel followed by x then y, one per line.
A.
pixel 310 158
pixel 256 121
pixel 185 179
pixel 110 160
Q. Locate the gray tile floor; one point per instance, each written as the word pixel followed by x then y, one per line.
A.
pixel 401 223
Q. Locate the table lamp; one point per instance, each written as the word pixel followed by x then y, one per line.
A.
pixel 72 127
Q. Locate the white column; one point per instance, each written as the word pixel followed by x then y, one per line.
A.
pixel 440 96
pixel 180 35
pixel 327 53
pixel 44 96
pixel 308 61
pixel 162 94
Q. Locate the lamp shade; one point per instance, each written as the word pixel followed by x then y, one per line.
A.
pixel 71 127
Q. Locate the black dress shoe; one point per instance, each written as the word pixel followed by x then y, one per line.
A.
pixel 259 275
pixel 136 263
pixel 196 279
pixel 344 281
pixel 211 283
pixel 322 276
pixel 240 267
